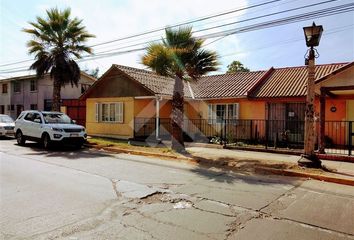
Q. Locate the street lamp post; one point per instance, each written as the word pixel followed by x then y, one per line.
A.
pixel 312 35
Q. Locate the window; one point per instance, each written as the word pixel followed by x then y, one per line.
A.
pixel 59 118
pixel 33 85
pixel 33 106
pixel 4 88
pixel 47 104
pixel 29 117
pixel 219 112
pixel 10 107
pixel 36 118
pixel 109 112
pixel 17 86
pixel 84 87
pixel 2 109
pixel 19 109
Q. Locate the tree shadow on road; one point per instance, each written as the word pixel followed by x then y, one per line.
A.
pixel 229 170
pixel 63 151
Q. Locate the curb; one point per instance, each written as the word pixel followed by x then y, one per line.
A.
pixel 282 172
pixel 292 173
pixel 329 157
pixel 142 153
pixel 266 150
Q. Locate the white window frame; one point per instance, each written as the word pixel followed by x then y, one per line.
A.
pixel 212 109
pixel 118 112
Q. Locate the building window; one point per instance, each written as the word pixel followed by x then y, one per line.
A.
pixel 84 87
pixel 47 104
pixel 19 109
pixel 219 112
pixel 33 106
pixel 33 85
pixel 10 107
pixel 4 88
pixel 17 86
pixel 109 112
pixel 2 109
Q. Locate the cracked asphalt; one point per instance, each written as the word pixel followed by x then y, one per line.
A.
pixel 90 194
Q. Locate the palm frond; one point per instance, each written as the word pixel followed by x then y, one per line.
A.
pixel 181 54
pixel 55 40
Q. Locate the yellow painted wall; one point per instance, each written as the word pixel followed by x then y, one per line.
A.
pixel 146 108
pixel 119 130
pixel 248 109
pixel 195 109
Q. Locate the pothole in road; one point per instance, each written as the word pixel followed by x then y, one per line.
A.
pixel 179 201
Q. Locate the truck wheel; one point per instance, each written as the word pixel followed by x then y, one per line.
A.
pixel 21 140
pixel 46 141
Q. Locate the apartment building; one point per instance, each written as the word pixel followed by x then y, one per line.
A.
pixel 28 92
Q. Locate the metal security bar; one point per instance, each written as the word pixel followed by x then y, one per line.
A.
pixel 288 134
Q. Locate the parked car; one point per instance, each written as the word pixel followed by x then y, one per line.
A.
pixel 48 128
pixel 7 125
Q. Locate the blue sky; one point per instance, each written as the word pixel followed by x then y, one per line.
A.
pixel 111 19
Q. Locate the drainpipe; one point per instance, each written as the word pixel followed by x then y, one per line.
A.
pixel 158 99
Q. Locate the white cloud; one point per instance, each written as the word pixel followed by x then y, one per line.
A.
pixel 115 19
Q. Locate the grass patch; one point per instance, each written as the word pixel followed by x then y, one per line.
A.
pixel 111 142
pixel 108 142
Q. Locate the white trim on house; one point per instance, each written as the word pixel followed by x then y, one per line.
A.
pixel 114 112
pixel 214 115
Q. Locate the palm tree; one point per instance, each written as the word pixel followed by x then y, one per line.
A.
pixel 55 41
pixel 181 57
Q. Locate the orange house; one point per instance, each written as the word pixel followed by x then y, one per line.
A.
pixel 130 103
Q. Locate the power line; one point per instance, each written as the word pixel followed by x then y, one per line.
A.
pixel 232 23
pixel 328 32
pixel 296 18
pixel 188 22
pixel 196 20
pixel 207 23
pixel 174 25
pixel 227 24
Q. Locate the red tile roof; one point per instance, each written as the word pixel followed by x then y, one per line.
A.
pixel 280 82
pixel 156 83
pixel 291 81
pixel 215 86
pixel 227 85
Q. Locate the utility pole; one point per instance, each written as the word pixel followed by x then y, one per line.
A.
pixel 309 158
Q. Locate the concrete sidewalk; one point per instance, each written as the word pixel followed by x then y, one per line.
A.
pixel 241 159
pixel 247 161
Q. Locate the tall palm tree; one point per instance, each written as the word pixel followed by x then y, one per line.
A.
pixel 55 41
pixel 180 56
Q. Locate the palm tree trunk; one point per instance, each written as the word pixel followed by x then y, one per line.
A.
pixel 177 115
pixel 56 95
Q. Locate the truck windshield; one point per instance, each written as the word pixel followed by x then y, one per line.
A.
pixel 56 118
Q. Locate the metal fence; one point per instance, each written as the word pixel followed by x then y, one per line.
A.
pixel 339 136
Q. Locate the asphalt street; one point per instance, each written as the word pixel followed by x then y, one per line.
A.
pixel 90 194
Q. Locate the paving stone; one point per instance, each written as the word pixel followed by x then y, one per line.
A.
pixel 216 207
pixel 270 229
